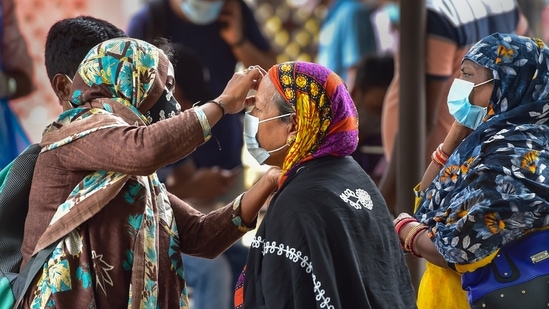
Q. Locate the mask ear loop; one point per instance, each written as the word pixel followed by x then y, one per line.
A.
pixel 70 80
pixel 483 83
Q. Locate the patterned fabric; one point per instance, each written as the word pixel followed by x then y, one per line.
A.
pixel 239 290
pixel 326 114
pixel 495 186
pixel 132 74
pixel 328 213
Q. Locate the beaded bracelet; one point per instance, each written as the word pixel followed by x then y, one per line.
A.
pixel 206 129
pixel 409 242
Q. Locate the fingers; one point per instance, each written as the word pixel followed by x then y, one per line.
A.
pixel 256 73
pixel 250 101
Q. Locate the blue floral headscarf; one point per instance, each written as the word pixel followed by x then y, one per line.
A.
pixel 495 186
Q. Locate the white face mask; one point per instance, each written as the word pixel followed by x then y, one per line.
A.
pixel 202 12
pixel 251 126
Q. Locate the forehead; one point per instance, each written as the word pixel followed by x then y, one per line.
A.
pixel 264 93
pixel 468 64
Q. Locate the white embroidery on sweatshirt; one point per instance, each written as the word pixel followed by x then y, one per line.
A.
pixel 296 256
pixel 358 199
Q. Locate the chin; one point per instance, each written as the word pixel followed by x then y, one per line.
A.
pixel 272 162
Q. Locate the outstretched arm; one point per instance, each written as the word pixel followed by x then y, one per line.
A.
pixel 209 235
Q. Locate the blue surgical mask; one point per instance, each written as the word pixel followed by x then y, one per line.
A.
pixel 202 12
pixel 251 126
pixel 459 106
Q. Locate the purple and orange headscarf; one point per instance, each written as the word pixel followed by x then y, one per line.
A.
pixel 327 122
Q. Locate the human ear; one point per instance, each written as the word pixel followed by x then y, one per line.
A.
pixel 61 85
pixel 292 128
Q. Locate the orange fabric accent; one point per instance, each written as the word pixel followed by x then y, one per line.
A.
pixel 332 82
pixel 273 73
pixel 348 124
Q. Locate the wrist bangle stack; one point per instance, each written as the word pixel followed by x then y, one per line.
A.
pixel 203 120
pixel 440 157
pixel 400 224
pixel 412 235
pixel 237 220
pixel 219 104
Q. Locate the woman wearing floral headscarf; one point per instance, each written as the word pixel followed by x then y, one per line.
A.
pixel 489 187
pixel 326 240
pixel 118 234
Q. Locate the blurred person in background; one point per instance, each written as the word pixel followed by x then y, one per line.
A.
pixel 16 73
pixel 346 35
pixel 210 280
pixel 373 77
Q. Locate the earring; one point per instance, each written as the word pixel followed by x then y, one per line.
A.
pixel 290 140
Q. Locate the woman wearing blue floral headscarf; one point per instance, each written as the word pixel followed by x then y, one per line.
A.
pixel 488 183
pixel 95 194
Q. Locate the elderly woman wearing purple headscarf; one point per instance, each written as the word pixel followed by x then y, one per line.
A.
pixel 327 240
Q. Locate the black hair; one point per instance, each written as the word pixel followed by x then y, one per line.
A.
pixel 69 41
pixel 374 71
pixel 165 45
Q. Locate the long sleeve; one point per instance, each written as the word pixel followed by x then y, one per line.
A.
pixel 205 235
pixel 136 150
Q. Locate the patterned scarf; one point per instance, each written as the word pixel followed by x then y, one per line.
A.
pixel 117 81
pixel 495 186
pixel 327 122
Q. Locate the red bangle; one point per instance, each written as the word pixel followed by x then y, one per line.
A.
pixel 402 223
pixel 439 149
pixel 439 156
pixel 412 242
pixel 409 242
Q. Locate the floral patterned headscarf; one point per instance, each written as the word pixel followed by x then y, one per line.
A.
pixel 126 71
pixel 116 82
pixel 495 186
pixel 327 123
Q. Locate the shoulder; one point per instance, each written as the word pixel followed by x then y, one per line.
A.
pixel 322 185
pixel 467 21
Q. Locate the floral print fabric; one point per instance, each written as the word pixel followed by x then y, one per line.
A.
pixel 495 186
pixel 327 116
pixel 111 249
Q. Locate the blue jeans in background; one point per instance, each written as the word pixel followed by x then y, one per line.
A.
pixel 210 281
